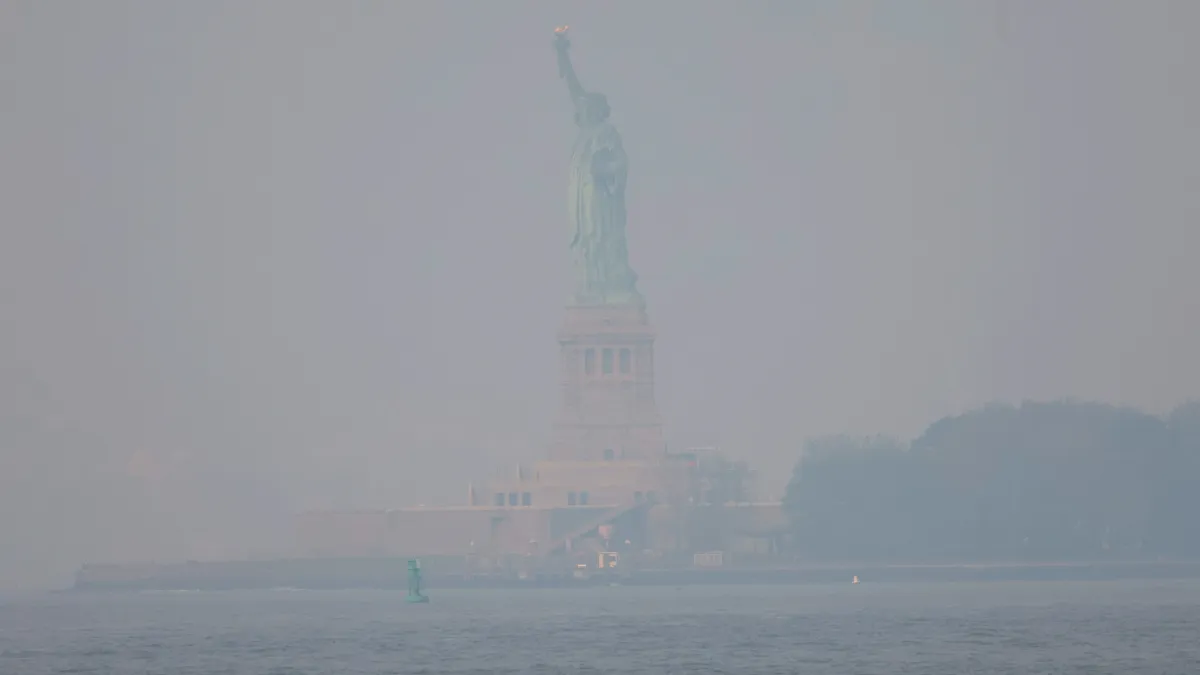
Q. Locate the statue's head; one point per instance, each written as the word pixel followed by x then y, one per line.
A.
pixel 595 109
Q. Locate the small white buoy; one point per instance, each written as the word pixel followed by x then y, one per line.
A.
pixel 855 581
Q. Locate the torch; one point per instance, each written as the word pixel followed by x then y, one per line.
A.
pixel 561 44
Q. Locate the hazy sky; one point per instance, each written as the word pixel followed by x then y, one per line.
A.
pixel 263 256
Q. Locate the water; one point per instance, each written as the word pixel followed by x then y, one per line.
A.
pixel 931 629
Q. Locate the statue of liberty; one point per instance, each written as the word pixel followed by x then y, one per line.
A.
pixel 596 201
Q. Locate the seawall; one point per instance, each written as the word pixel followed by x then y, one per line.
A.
pixel 390 573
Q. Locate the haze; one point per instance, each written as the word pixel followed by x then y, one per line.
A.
pixel 262 257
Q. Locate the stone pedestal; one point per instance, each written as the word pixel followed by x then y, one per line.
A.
pixel 608 412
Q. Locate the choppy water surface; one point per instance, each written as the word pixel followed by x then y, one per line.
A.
pixel 951 629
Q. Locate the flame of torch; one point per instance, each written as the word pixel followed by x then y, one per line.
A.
pixel 561 29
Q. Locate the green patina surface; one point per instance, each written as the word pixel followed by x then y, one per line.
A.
pixel 596 198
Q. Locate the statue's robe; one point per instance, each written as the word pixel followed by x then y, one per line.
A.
pixel 596 206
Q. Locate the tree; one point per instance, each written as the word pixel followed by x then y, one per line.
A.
pixel 1038 481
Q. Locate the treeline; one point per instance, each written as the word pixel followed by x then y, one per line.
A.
pixel 1042 481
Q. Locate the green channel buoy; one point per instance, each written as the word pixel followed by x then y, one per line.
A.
pixel 414 583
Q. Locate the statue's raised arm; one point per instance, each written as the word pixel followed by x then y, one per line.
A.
pixel 565 70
